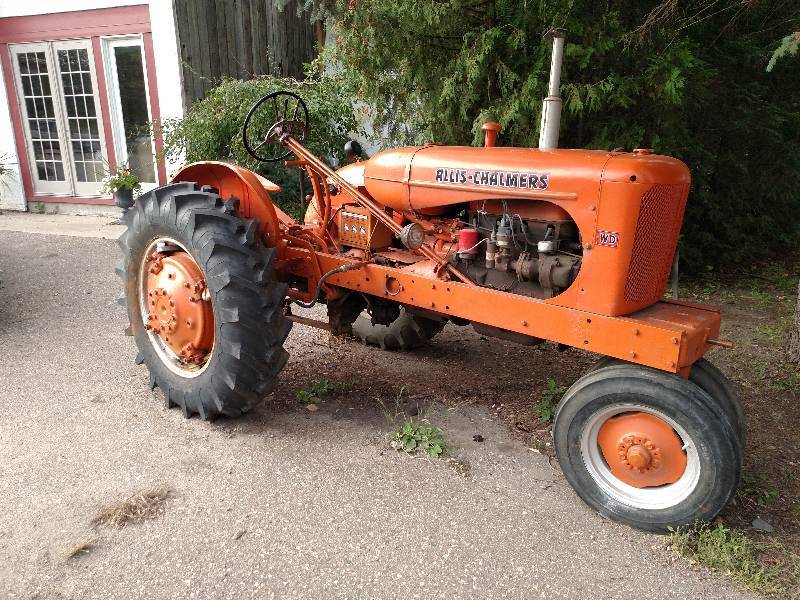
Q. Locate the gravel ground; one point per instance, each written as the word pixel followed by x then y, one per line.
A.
pixel 284 502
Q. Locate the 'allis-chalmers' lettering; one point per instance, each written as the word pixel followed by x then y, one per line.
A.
pixel 522 181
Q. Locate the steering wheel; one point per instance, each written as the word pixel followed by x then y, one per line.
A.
pixel 270 121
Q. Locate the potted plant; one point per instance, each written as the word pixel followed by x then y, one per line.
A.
pixel 123 183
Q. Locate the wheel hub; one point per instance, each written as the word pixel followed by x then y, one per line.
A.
pixel 642 450
pixel 179 305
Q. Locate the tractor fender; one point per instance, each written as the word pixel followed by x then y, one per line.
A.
pixel 252 190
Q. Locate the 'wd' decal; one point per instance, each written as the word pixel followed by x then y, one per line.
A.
pixel 607 238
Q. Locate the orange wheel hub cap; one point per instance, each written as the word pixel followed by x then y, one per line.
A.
pixel 642 450
pixel 179 306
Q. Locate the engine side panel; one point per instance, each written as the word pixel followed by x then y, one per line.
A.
pixel 627 209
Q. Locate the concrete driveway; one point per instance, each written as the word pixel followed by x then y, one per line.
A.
pixel 282 503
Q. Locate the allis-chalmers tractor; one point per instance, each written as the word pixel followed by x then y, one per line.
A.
pixel 570 246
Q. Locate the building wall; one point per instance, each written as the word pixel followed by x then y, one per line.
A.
pixel 12 196
pixel 167 101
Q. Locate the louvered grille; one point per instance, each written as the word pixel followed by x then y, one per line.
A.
pixel 657 232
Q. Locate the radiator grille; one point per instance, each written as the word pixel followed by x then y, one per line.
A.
pixel 657 232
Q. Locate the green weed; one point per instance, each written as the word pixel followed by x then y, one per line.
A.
pixel 759 488
pixel 315 392
pixel 772 333
pixel 546 407
pixel 414 437
pixel 789 381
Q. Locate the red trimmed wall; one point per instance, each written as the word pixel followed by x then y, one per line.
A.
pixel 93 24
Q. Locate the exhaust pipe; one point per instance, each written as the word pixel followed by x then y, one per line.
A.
pixel 551 108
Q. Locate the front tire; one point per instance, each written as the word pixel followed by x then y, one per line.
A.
pixel 713 382
pixel 237 364
pixel 647 449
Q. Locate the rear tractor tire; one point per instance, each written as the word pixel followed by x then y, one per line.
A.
pixel 646 448
pixel 203 307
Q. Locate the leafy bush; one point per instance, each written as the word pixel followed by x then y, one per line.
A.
pixel 212 128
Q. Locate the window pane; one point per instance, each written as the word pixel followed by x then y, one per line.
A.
pixel 80 172
pixel 66 84
pixel 48 106
pixel 70 102
pixel 135 118
pixel 22 61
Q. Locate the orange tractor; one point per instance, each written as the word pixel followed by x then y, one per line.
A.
pixel 570 246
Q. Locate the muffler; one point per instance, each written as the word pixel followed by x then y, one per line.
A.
pixel 551 108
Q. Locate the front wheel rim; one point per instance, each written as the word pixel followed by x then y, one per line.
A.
pixel 175 307
pixel 646 498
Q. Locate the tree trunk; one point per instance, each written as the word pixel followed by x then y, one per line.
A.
pixel 794 332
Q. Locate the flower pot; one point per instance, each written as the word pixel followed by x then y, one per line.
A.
pixel 123 197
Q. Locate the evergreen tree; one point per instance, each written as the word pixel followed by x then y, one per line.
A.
pixel 685 78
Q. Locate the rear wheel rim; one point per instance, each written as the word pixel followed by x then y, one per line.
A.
pixel 175 307
pixel 681 480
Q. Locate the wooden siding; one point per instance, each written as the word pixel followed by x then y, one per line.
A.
pixel 240 39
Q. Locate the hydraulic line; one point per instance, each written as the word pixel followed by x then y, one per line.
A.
pixel 342 269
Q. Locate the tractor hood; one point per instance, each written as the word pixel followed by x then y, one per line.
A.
pixel 431 178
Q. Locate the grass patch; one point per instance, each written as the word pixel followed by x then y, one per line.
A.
pixel 80 548
pixel 138 507
pixel 765 568
pixel 315 392
pixel 546 407
pixel 771 332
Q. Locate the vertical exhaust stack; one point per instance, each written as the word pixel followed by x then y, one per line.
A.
pixel 551 108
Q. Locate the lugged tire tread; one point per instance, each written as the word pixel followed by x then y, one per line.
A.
pixel 406 332
pixel 250 325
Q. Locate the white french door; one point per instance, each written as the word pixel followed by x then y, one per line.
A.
pixel 57 89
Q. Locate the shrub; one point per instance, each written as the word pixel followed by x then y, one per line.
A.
pixel 212 127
